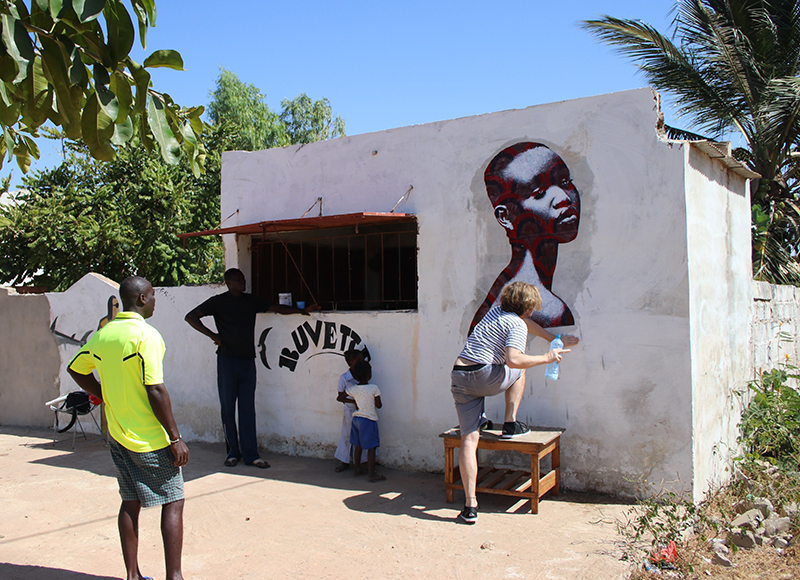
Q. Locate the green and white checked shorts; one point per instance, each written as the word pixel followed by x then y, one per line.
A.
pixel 150 478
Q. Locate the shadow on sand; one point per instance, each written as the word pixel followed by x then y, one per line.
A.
pixel 22 572
pixel 415 494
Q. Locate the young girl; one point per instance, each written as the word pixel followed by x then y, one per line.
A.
pixel 364 432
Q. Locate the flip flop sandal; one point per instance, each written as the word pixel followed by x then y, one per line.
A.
pixel 231 462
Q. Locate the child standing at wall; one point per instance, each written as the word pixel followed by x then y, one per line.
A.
pixel 364 432
pixel 344 450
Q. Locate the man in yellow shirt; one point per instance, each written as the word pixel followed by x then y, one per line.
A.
pixel 146 447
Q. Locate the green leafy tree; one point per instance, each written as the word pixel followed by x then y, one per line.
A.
pixel 122 217
pixel 241 106
pixel 734 65
pixel 306 121
pixel 116 218
pixel 770 425
pixel 68 62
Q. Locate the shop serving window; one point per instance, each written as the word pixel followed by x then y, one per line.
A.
pixel 354 267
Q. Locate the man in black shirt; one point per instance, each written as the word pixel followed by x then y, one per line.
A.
pixel 234 314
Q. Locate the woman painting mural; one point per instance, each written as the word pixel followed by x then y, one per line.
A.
pixel 536 202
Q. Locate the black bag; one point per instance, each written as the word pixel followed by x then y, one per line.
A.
pixel 77 403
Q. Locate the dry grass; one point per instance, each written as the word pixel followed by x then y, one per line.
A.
pixel 709 520
pixel 756 564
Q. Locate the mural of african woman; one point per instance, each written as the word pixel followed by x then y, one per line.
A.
pixel 536 202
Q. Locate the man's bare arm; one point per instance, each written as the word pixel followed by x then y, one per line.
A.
pixel 193 318
pixel 537 330
pixel 286 309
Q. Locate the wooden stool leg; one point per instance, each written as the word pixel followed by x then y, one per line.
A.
pixel 555 465
pixel 535 483
pixel 448 472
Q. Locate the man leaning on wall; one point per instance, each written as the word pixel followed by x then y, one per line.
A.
pixel 234 314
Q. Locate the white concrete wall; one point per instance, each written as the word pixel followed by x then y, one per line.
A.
pixel 718 217
pixel 625 393
pixel 190 368
pixel 636 397
pixel 29 360
pixel 76 314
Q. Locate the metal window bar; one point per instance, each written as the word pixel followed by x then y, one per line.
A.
pixel 269 253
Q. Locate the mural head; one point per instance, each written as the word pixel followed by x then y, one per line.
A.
pixel 362 372
pixel 520 298
pixel 234 280
pixel 137 295
pixel 532 193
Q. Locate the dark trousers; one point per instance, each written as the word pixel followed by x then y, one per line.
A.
pixel 236 381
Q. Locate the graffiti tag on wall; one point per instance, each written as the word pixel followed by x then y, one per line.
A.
pixel 330 337
pixel 112 308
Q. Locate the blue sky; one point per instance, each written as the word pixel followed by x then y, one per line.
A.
pixel 392 64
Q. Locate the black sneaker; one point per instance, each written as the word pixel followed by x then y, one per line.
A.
pixel 469 514
pixel 486 425
pixel 515 429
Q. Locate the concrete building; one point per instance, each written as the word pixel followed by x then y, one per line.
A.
pixel 646 258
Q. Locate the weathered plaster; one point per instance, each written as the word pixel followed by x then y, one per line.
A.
pixel 718 217
pixel 29 360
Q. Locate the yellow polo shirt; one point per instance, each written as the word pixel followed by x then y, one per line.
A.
pixel 128 354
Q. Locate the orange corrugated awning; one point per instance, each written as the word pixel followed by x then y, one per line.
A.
pixel 310 223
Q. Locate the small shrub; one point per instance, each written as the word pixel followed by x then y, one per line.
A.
pixel 770 425
pixel 656 530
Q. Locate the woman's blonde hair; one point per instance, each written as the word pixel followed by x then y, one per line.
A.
pixel 519 297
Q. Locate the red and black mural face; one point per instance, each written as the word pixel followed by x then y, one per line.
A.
pixel 534 199
pixel 532 192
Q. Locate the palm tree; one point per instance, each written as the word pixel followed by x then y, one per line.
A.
pixel 733 65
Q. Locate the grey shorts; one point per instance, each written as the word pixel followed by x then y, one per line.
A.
pixel 150 478
pixel 470 388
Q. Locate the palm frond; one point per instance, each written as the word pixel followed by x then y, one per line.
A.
pixel 683 134
pixel 734 65
pixel 670 69
pixel 776 241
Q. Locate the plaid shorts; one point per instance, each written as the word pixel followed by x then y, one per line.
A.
pixel 150 478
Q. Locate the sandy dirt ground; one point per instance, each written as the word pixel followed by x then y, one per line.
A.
pixel 298 520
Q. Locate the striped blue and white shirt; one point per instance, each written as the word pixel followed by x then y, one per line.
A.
pixel 496 331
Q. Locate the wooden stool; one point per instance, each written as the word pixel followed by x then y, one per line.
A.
pixel 539 443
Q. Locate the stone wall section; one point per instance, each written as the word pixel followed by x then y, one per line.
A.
pixel 776 312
